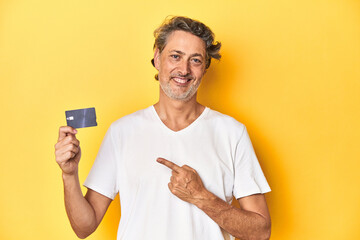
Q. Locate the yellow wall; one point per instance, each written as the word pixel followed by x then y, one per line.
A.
pixel 290 72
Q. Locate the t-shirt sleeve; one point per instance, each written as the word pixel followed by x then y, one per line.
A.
pixel 249 178
pixel 103 174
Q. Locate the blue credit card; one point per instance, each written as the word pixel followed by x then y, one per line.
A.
pixel 81 118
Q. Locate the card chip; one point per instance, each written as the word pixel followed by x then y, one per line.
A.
pixel 81 118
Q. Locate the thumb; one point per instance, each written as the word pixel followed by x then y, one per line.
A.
pixel 65 130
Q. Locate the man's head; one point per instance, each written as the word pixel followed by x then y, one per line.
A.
pixel 194 27
pixel 183 51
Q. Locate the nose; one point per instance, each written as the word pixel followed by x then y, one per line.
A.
pixel 184 67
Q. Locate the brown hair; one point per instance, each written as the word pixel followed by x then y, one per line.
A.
pixel 197 28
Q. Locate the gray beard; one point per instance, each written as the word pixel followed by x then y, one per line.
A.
pixel 186 96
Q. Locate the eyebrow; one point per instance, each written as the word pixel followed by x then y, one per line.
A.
pixel 182 53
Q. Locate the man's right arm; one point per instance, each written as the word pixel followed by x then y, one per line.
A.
pixel 84 213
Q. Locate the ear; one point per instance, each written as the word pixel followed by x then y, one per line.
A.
pixel 157 58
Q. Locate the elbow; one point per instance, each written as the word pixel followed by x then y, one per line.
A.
pixel 266 234
pixel 83 235
pixel 262 233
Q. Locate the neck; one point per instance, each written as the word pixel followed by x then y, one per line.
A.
pixel 176 114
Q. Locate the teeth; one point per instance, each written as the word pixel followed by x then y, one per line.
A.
pixel 179 80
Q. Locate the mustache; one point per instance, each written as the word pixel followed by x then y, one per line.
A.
pixel 189 76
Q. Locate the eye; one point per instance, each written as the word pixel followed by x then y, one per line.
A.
pixel 196 60
pixel 175 56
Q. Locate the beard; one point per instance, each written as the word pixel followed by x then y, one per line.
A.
pixel 177 95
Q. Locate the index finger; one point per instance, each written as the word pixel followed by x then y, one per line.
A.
pixel 64 130
pixel 169 164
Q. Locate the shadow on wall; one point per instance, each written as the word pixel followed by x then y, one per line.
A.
pixel 217 93
pixel 279 199
pixel 214 90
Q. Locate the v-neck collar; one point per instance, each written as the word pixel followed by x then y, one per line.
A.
pixel 191 125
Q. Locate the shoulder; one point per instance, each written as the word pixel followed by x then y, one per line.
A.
pixel 224 121
pixel 223 126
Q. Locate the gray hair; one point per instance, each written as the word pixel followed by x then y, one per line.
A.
pixel 195 27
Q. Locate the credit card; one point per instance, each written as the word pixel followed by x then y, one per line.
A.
pixel 81 118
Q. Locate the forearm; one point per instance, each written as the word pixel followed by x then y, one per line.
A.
pixel 240 223
pixel 80 213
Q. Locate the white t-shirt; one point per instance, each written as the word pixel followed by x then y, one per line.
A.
pixel 215 145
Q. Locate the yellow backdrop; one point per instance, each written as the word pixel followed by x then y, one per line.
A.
pixel 290 72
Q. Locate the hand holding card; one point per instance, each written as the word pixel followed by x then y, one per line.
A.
pixel 81 118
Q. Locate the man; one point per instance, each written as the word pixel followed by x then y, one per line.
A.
pixel 176 164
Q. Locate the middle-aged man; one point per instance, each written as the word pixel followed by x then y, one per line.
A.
pixel 177 164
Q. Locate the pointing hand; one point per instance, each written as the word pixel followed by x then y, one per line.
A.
pixel 185 182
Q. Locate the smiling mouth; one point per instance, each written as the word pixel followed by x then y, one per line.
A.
pixel 181 80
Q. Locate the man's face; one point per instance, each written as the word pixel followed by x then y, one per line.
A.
pixel 181 65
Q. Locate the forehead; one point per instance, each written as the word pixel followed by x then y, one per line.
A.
pixel 185 42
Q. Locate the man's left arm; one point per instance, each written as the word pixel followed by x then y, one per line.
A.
pixel 250 221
